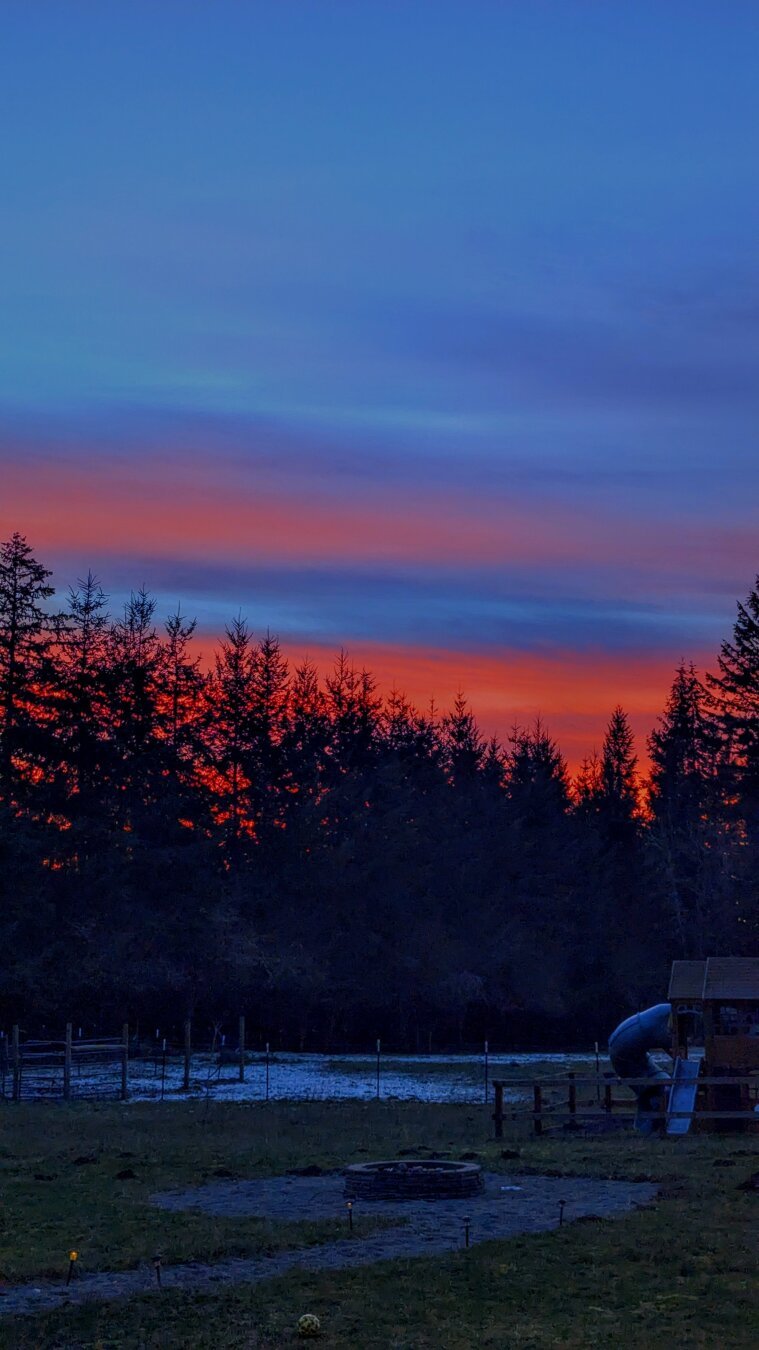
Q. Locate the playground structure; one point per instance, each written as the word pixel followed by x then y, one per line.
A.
pixel 713 1003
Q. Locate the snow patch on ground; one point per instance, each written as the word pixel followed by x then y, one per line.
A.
pixel 304 1077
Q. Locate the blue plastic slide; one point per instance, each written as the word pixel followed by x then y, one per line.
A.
pixel 682 1097
pixel 630 1049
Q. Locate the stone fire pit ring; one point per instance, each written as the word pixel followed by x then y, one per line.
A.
pixel 427 1179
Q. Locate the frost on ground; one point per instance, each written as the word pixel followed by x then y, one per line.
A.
pixel 303 1077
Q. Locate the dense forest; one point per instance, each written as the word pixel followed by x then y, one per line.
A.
pixel 177 840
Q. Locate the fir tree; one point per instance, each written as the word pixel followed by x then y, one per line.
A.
pixel 679 751
pixel 619 779
pixel 26 631
pixel 270 693
pixel 687 835
pixel 464 747
pixel 82 643
pixel 536 773
pixel 230 697
pixel 588 786
pixel 735 692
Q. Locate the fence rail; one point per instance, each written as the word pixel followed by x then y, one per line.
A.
pixel 52 1067
pixel 555 1100
pixel 110 1067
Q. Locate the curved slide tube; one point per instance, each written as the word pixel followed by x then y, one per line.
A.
pixel 630 1049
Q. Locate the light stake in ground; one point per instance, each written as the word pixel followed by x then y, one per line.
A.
pixel 157 1268
pixel 561 1212
pixel 467 1222
pixel 350 1215
pixel 73 1258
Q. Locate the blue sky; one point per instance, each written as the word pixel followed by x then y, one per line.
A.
pixel 421 266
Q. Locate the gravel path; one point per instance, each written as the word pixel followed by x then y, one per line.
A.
pixel 508 1206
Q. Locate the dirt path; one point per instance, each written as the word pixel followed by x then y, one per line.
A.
pixel 507 1207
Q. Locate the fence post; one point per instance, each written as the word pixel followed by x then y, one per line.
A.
pixel 498 1111
pixel 67 1064
pixel 16 1056
pixel 537 1097
pixel 572 1098
pixel 124 1060
pixel 242 1049
pixel 187 1053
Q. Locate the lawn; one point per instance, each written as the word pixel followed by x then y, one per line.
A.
pixel 682 1274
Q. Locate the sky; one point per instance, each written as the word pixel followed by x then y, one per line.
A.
pixel 428 330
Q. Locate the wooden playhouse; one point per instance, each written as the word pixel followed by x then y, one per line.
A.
pixel 715 1003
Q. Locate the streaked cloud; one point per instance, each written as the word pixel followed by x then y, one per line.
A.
pixel 435 340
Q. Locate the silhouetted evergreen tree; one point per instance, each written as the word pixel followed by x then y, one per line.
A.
pixel 537 780
pixel 231 734
pixel 463 744
pixel 25 672
pixel 688 833
pixel 735 698
pixel 81 692
pixel 619 779
pixel 588 787
pixel 268 770
pixel 735 692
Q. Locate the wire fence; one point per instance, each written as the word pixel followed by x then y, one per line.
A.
pixel 220 1066
pixel 218 1062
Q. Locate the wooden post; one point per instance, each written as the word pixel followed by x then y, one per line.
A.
pixel 187 1054
pixel 537 1097
pixel 124 1060
pixel 16 1057
pixel 607 1098
pixel 242 1049
pixel 67 1064
pixel 498 1112
pixel 572 1098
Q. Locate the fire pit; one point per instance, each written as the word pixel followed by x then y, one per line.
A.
pixel 430 1179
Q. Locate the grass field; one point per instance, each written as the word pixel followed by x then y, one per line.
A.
pixel 682 1274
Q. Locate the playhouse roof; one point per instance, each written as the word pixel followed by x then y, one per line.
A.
pixel 719 977
pixel 687 980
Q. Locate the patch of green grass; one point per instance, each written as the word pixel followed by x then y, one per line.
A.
pixel 682 1273
pixel 52 1202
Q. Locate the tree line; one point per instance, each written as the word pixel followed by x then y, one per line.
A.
pixel 181 841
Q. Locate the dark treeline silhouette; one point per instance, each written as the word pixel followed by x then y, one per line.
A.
pixel 176 841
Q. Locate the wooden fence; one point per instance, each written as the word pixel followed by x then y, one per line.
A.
pixel 555 1101
pixel 78 1067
